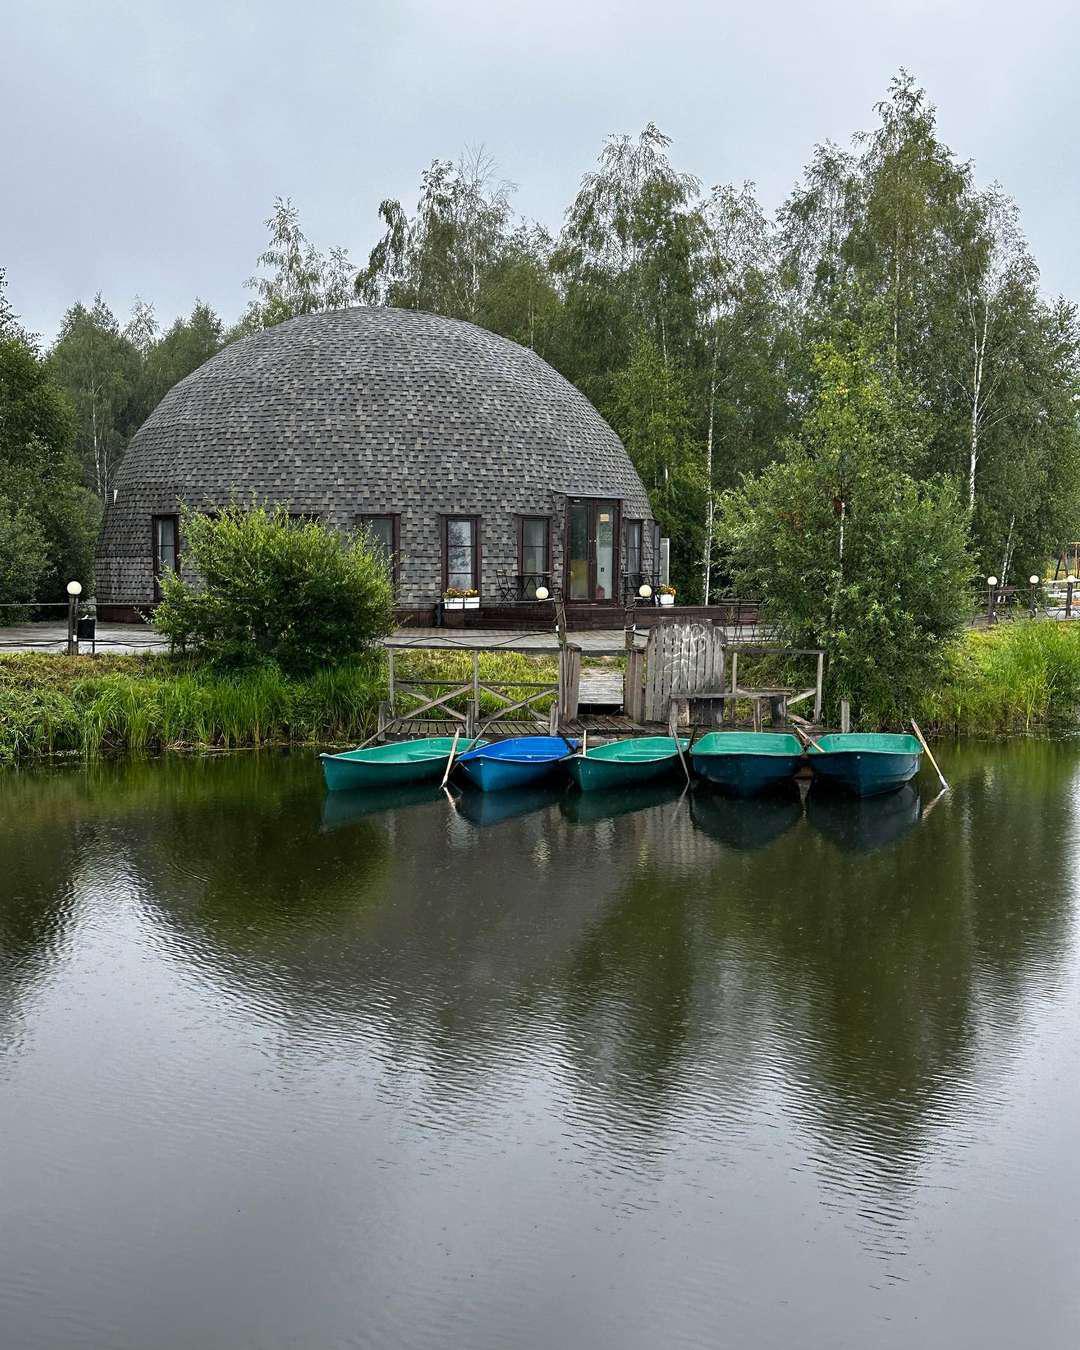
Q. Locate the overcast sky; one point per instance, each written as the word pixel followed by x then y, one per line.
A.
pixel 143 142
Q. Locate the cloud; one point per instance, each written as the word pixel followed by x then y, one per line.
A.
pixel 144 143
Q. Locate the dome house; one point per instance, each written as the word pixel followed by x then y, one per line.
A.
pixel 471 460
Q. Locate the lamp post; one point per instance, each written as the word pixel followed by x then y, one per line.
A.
pixel 1034 583
pixel 991 583
pixel 645 591
pixel 1070 582
pixel 541 592
pixel 74 590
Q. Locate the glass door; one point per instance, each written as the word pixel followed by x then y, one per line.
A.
pixel 592 556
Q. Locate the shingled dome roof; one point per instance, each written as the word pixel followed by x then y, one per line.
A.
pixel 327 401
pixel 388 413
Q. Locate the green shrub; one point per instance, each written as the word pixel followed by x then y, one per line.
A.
pixel 271 589
pixel 850 553
pixel 23 559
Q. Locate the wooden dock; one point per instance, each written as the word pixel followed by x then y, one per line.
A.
pixel 610 683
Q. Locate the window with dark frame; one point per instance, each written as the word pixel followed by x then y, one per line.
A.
pixel 461 553
pixel 632 539
pixel 165 534
pixel 534 554
pixel 384 530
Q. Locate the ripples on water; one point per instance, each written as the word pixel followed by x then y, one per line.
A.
pixel 533 1069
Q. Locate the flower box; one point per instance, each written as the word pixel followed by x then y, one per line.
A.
pixel 666 599
pixel 453 602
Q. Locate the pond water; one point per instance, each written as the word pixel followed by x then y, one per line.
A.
pixel 645 1071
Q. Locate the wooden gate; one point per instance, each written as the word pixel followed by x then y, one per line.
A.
pixel 680 659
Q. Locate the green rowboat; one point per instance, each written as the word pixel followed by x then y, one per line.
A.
pixel 865 763
pixel 419 761
pixel 745 763
pixel 625 763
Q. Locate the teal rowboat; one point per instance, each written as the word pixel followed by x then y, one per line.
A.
pixel 745 763
pixel 625 763
pixel 419 761
pixel 865 763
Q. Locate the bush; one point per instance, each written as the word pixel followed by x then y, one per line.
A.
pixel 23 559
pixel 271 589
pixel 850 553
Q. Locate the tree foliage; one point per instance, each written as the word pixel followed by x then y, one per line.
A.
pixel 295 277
pixel 847 550
pixel 270 589
pixel 47 520
pixel 692 320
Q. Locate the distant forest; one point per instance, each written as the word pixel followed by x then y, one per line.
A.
pixel 691 319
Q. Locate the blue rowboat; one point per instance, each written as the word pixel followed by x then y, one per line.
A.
pixel 744 763
pixel 516 762
pixel 625 763
pixel 419 761
pixel 865 763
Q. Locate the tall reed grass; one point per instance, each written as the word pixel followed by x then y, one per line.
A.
pixel 1015 678
pixel 53 705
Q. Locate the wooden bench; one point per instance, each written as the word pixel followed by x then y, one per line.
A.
pixel 708 708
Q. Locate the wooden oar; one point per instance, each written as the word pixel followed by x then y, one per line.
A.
pixel 450 758
pixel 927 809
pixel 682 757
pixel 805 736
pixel 929 753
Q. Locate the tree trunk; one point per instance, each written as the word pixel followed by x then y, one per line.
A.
pixel 1006 561
pixel 710 497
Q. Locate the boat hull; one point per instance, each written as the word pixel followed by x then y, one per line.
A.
pixel 865 765
pixel 620 768
pixel 384 766
pixel 498 775
pixel 737 765
pixel 521 761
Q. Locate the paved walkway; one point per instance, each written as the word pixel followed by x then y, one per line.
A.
pixel 126 638
pixel 112 638
pixel 594 642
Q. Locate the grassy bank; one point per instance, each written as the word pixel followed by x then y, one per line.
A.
pixel 1016 678
pixel 53 705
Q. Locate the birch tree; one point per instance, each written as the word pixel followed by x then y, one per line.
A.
pixel 99 369
pixel 736 293
pixel 295 277
pixel 441 258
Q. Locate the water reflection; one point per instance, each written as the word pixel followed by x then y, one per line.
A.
pixel 345 808
pixel 492 808
pixel 746 823
pixel 863 824
pixel 587 808
pixel 621 1004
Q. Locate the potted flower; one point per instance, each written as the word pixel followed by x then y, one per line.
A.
pixel 666 594
pixel 455 599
